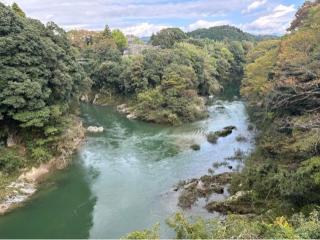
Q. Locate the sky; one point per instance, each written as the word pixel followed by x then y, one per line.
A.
pixel 144 17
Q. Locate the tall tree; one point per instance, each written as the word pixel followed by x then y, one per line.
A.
pixel 107 32
pixel 15 7
pixel 120 39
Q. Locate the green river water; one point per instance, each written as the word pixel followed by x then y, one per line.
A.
pixel 122 180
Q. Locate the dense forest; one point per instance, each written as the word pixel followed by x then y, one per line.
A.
pixel 45 72
pixel 40 84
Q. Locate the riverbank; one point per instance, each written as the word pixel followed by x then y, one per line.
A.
pixel 24 185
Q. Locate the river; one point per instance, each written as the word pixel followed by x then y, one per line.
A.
pixel 122 180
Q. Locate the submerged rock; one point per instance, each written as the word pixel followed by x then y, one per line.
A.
pixel 212 138
pixel 93 129
pixel 195 147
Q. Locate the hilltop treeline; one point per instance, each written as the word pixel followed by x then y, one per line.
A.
pixel 227 33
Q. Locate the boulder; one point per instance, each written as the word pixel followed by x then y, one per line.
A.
pixel 84 98
pixel 93 129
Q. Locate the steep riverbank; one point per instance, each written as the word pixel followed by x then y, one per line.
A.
pixel 26 184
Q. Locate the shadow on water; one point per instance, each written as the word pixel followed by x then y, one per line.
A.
pixel 61 209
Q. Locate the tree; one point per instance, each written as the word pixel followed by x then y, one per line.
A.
pixel 38 71
pixel 166 38
pixel 15 7
pixel 120 39
pixel 107 32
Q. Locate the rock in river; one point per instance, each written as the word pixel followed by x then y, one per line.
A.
pixel 93 129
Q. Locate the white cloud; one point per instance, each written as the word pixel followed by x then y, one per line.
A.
pixel 143 29
pixel 124 13
pixel 255 5
pixel 275 22
pixel 205 24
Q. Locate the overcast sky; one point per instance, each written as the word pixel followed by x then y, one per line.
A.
pixel 143 17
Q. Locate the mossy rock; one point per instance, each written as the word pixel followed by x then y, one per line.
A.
pixel 212 138
pixel 226 131
pixel 226 207
pixel 195 147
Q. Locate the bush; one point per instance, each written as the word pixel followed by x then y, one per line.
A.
pixel 10 160
pixel 153 233
pixel 41 154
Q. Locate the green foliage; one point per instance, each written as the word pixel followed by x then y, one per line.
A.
pixel 120 39
pixel 40 154
pixel 153 233
pixel 107 32
pixel 261 61
pixel 241 227
pixel 15 7
pixel 166 38
pixel 281 80
pixel 221 33
pixel 38 69
pixel 10 160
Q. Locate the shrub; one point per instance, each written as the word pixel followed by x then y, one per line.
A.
pixel 10 160
pixel 153 233
pixel 41 154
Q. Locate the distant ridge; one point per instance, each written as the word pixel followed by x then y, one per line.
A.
pixel 226 32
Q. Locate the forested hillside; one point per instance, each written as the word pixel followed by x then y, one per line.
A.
pixel 282 87
pixel 39 86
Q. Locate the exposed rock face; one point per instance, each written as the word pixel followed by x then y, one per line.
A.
pixel 84 98
pixel 124 109
pixel 93 129
pixel 12 140
pixel 20 192
pixel 234 204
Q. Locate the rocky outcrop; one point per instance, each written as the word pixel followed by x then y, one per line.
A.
pixel 237 203
pixel 192 190
pixel 85 98
pixel 12 140
pixel 124 109
pixel 213 137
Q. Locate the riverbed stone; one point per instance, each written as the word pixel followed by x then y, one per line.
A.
pixel 93 129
